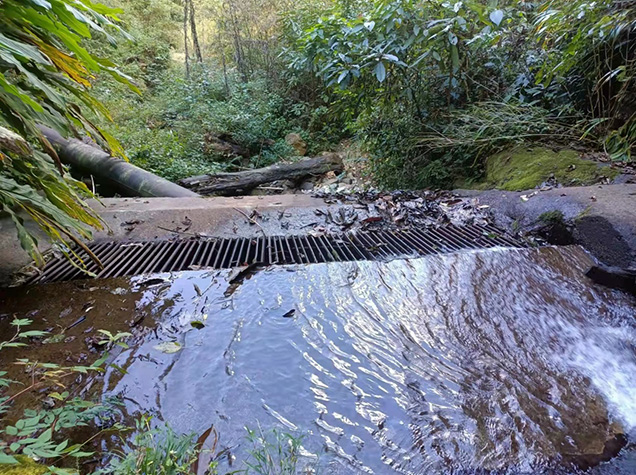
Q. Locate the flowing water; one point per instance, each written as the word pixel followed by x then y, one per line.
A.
pixel 490 361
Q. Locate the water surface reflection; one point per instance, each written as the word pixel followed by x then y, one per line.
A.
pixel 504 360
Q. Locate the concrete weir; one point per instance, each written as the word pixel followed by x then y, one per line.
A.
pixel 601 218
pixel 165 218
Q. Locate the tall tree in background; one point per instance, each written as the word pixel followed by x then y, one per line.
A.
pixel 189 18
pixel 45 80
pixel 186 6
pixel 195 36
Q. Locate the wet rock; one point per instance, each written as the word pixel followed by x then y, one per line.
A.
pixel 601 217
pixel 614 278
pixel 306 186
pixel 554 229
pixel 598 453
pixel 603 240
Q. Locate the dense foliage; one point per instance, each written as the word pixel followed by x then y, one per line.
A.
pixel 429 88
pixel 43 434
pixel 419 73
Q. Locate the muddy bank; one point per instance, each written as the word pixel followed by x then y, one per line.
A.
pixel 601 218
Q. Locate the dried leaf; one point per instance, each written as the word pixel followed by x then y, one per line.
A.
pixel 168 347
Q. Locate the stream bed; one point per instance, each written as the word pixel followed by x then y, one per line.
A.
pixel 497 361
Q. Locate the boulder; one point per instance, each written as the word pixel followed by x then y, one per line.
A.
pixel 297 142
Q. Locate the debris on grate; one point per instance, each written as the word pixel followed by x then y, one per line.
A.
pixel 132 258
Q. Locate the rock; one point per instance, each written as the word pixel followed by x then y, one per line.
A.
pixel 296 141
pixel 307 185
pixel 614 277
pixel 521 169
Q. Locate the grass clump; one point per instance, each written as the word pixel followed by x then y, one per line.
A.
pixel 526 168
pixel 274 453
pixel 156 451
pixel 552 217
pixel 161 451
pixel 453 148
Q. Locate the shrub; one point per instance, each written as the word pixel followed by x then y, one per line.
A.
pixel 173 128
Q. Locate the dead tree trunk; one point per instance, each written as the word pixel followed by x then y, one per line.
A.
pixel 124 177
pixel 241 182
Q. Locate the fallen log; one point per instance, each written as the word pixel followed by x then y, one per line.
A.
pixel 241 182
pixel 123 176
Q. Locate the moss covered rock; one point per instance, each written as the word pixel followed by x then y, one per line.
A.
pixel 26 466
pixel 525 168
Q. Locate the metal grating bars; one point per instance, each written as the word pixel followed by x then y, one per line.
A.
pixel 133 258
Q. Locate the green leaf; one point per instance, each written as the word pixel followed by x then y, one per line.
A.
pixel 7 459
pixel 32 333
pixel 45 436
pixel 21 322
pixel 46 68
pixel 61 471
pixel 455 58
pixel 61 446
pixel 42 3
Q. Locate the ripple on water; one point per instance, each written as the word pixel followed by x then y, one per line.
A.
pixel 506 360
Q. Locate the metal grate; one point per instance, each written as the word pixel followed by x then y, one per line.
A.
pixel 133 258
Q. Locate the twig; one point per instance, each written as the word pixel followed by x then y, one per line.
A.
pixel 177 231
pixel 251 220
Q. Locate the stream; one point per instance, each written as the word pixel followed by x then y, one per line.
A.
pixel 497 361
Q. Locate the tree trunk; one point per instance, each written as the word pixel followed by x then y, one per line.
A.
pixel 195 37
pixel 124 177
pixel 185 36
pixel 225 81
pixel 241 182
pixel 239 56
